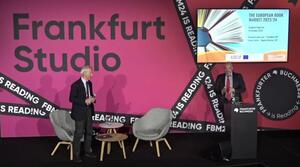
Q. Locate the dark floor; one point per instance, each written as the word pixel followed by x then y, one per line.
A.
pixel 275 149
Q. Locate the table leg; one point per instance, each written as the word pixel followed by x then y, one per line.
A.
pixel 115 131
pixel 123 149
pixel 120 144
pixel 108 147
pixel 102 150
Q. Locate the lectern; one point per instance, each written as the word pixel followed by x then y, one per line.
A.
pixel 241 118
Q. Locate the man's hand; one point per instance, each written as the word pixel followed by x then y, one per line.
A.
pixel 88 101
pixel 232 90
pixel 92 99
pixel 223 91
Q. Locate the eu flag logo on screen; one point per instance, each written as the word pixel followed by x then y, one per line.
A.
pixel 245 57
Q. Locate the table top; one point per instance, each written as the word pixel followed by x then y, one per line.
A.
pixel 110 125
pixel 111 137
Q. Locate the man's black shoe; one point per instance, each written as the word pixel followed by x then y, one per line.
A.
pixel 90 155
pixel 77 160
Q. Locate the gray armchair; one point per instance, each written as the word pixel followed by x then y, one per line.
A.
pixel 64 127
pixel 153 126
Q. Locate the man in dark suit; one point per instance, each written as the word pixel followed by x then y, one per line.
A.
pixel 230 85
pixel 82 99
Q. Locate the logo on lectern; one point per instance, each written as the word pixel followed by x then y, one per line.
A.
pixel 236 110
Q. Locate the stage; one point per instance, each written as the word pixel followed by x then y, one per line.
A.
pixel 275 149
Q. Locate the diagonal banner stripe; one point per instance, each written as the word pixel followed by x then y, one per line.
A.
pixel 186 21
pixel 26 94
pixel 249 4
pixel 190 32
pixel 189 91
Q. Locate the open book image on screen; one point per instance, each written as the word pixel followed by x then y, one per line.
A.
pixel 242 35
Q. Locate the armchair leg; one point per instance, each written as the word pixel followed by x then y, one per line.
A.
pixel 157 148
pixel 71 151
pixel 70 146
pixel 56 147
pixel 167 144
pixel 135 144
pixel 157 145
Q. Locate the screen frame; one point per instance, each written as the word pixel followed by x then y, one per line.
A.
pixel 288 40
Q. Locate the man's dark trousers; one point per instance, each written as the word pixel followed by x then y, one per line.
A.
pixel 83 127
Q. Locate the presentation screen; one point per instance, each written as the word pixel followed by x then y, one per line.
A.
pixel 242 35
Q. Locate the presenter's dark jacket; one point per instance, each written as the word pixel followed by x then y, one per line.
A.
pixel 238 85
pixel 77 98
